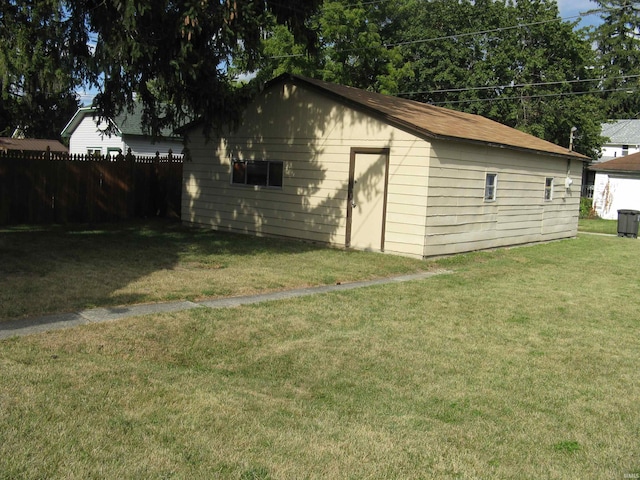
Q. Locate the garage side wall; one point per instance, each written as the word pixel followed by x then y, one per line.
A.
pixel 459 218
pixel 313 136
pixel 613 192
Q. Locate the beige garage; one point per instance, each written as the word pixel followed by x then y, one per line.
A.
pixel 346 167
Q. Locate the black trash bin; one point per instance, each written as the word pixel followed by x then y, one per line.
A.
pixel 628 221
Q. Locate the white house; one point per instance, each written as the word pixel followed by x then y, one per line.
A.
pixel 346 167
pixel 624 139
pixel 88 136
pixel 616 186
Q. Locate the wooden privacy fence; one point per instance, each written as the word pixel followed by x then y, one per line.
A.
pixel 47 187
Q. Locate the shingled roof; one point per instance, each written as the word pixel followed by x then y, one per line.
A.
pixel 628 163
pixel 622 132
pixel 434 122
pixel 126 123
pixel 31 145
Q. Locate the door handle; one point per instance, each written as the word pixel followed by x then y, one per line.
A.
pixel 353 204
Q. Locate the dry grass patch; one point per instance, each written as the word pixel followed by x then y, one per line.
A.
pixel 59 269
pixel 522 364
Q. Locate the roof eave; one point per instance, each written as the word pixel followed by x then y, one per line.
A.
pixel 429 134
pixel 69 128
pixel 612 170
pixel 417 130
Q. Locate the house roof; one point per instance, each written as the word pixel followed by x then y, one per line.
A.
pixel 628 163
pixel 622 132
pixel 434 122
pixel 31 145
pixel 126 123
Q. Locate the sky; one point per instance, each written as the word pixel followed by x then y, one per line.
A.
pixel 568 8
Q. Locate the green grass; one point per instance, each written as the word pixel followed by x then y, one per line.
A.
pixel 522 364
pixel 56 269
pixel 598 225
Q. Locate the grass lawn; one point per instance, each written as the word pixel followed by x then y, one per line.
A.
pixel 521 364
pixel 598 225
pixel 55 269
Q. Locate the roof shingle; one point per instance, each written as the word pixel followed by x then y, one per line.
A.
pixel 31 145
pixel 622 132
pixel 628 163
pixel 437 122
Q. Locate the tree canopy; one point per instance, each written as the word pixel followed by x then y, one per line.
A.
pixel 516 62
pixel 169 55
pixel 617 43
pixel 37 68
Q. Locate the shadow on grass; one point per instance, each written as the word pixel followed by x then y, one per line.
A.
pixel 45 269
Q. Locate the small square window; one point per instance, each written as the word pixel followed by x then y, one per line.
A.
pixel 490 186
pixel 548 189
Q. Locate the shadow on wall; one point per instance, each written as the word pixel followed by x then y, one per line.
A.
pixel 313 137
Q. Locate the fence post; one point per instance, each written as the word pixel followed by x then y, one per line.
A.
pixel 130 160
pixel 155 185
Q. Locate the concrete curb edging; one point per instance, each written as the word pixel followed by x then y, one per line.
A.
pixel 29 326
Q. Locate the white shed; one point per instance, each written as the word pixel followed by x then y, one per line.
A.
pixel 346 167
pixel 616 186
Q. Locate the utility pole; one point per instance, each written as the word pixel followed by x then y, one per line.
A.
pixel 573 130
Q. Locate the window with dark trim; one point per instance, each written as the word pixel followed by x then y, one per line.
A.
pixel 490 186
pixel 265 173
pixel 548 188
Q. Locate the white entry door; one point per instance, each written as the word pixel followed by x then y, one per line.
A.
pixel 366 210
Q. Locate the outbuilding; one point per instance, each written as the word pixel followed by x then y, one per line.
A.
pixel 616 186
pixel 346 167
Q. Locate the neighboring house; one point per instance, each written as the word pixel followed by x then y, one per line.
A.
pixel 623 138
pixel 88 136
pixel 346 167
pixel 31 145
pixel 617 186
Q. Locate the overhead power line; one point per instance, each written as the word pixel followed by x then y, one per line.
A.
pixel 445 37
pixel 517 85
pixel 481 32
pixel 546 95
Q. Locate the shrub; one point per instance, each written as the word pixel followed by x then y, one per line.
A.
pixel 586 208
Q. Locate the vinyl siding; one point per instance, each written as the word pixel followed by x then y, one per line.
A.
pixel 435 194
pixel 144 147
pixel 459 219
pixel 312 204
pixel 87 136
pixel 613 192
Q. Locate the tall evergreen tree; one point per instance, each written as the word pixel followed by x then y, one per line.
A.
pixel 617 41
pixel 172 55
pixel 169 55
pixel 37 55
